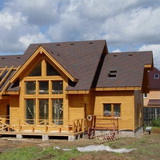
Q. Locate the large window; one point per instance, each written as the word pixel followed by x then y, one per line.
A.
pixel 43 94
pixel 36 71
pixel 111 110
pixel 57 111
pixel 30 110
pixel 51 71
pixel 57 87
pixel 30 87
pixel 43 109
pixel 43 87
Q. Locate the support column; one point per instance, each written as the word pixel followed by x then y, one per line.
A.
pixel 45 137
pixel 71 138
pixel 19 136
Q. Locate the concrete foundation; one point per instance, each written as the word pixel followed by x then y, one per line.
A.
pixel 125 133
pixel 45 137
pixel 19 136
pixel 71 138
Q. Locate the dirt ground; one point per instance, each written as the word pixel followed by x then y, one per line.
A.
pixel 148 147
pixel 8 143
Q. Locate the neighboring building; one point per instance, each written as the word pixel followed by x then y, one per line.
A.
pixel 152 99
pixel 52 88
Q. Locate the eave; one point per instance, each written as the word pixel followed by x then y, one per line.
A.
pixel 118 89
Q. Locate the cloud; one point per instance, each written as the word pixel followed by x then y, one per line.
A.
pixel 122 23
pixel 156 52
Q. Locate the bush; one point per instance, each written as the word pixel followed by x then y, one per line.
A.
pixel 156 123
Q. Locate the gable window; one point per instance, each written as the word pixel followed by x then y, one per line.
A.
pixel 112 73
pixel 111 110
pixel 57 87
pixel 51 71
pixel 36 70
pixel 30 110
pixel 30 87
pixel 43 87
pixel 156 76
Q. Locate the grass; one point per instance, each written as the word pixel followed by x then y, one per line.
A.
pixel 35 153
pixel 148 147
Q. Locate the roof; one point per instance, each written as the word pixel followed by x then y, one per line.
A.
pixel 154 79
pixel 129 68
pixel 154 102
pixel 80 59
pixel 87 61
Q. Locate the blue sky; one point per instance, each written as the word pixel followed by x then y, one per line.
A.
pixel 130 25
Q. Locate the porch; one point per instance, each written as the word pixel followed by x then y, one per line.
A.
pixel 43 128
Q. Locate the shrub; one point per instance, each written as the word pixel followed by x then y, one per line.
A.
pixel 156 123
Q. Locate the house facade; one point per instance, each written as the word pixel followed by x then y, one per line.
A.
pixel 53 89
pixel 152 99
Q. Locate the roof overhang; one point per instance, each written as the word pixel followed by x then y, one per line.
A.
pixel 40 50
pixel 118 89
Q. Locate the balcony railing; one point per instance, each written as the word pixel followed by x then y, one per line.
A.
pixel 43 126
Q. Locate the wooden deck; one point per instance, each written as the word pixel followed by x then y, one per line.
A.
pixel 49 130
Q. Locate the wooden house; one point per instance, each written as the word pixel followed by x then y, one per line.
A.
pixel 54 89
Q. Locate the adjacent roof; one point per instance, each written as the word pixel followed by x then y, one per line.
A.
pixel 154 81
pixel 128 67
pixel 154 102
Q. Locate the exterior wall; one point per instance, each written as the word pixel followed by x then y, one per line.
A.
pixel 3 107
pixel 125 98
pixel 151 95
pixel 15 114
pixel 76 107
pixel 138 100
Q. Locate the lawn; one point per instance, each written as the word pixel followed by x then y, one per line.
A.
pixel 147 148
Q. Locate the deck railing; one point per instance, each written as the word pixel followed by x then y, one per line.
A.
pixel 42 126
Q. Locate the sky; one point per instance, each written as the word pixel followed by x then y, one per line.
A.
pixel 126 25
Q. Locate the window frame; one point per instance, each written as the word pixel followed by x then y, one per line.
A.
pixel 57 91
pixel 26 88
pixel 112 109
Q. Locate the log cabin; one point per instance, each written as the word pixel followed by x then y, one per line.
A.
pixel 55 89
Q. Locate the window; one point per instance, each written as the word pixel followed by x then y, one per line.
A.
pixel 116 110
pixel 107 110
pixel 43 109
pixel 57 111
pixel 30 87
pixel 57 87
pixel 36 71
pixel 156 76
pixel 30 110
pixel 51 71
pixel 110 110
pixel 43 87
